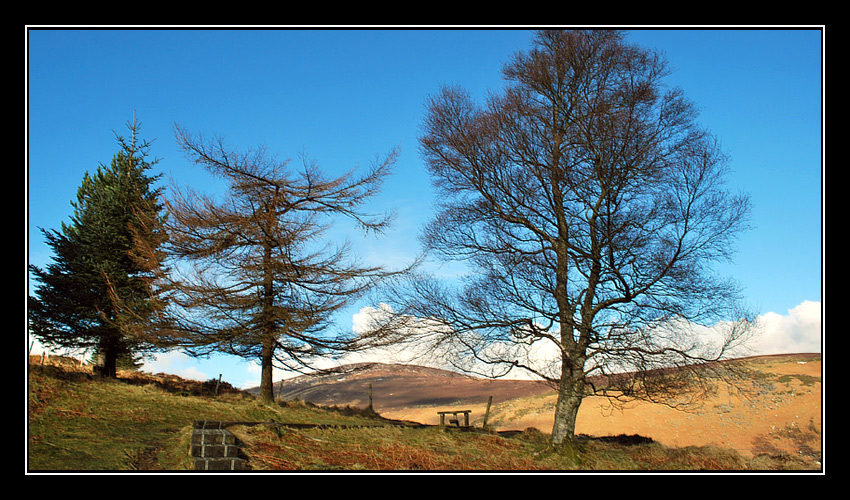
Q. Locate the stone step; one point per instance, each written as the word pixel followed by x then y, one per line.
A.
pixel 215 448
pixel 220 464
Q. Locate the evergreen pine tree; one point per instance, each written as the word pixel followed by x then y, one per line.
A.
pixel 94 260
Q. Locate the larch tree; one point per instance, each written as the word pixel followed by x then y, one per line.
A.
pixel 93 260
pixel 590 207
pixel 252 271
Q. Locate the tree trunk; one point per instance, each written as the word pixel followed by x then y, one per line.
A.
pixel 107 357
pixel 266 383
pixel 109 364
pixel 566 411
pixel 570 395
pixel 268 325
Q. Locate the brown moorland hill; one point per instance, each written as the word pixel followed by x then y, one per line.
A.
pixel 785 416
pixel 397 387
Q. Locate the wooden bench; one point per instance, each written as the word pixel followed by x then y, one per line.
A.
pixel 454 419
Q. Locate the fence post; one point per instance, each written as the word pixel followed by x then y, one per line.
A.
pixel 487 413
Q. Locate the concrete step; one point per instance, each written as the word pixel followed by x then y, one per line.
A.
pixel 215 448
pixel 220 464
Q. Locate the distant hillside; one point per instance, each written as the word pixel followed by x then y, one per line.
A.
pixel 397 386
pixel 785 417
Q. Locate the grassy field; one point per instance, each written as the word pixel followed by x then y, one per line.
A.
pixel 78 422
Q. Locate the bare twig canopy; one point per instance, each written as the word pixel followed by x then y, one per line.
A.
pixel 590 206
pixel 253 274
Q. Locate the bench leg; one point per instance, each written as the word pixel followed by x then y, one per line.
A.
pixel 454 419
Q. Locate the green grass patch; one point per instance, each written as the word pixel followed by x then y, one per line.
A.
pixel 78 422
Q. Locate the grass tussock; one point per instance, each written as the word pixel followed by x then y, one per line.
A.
pixel 383 448
pixel 80 422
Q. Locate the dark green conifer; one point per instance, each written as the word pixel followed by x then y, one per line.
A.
pixel 96 263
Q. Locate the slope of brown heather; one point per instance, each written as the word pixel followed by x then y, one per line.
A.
pixel 784 417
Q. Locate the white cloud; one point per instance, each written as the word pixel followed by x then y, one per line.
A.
pixel 254 372
pixel 363 320
pixel 796 332
pixel 175 363
pixel 420 342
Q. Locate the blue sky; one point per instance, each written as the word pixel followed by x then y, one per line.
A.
pixel 347 96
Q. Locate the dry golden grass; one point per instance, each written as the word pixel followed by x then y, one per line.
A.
pixel 785 417
pixel 81 422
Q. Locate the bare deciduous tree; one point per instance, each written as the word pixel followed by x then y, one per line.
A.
pixel 251 272
pixel 590 206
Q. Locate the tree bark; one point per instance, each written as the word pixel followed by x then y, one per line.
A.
pixel 268 327
pixel 566 412
pixel 108 358
pixel 570 395
pixel 266 382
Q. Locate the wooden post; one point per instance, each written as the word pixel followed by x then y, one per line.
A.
pixel 217 384
pixel 370 398
pixel 487 412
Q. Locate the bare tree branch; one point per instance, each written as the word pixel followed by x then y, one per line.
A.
pixel 251 272
pixel 591 207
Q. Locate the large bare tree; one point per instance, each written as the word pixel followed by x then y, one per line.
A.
pixel 590 207
pixel 252 272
